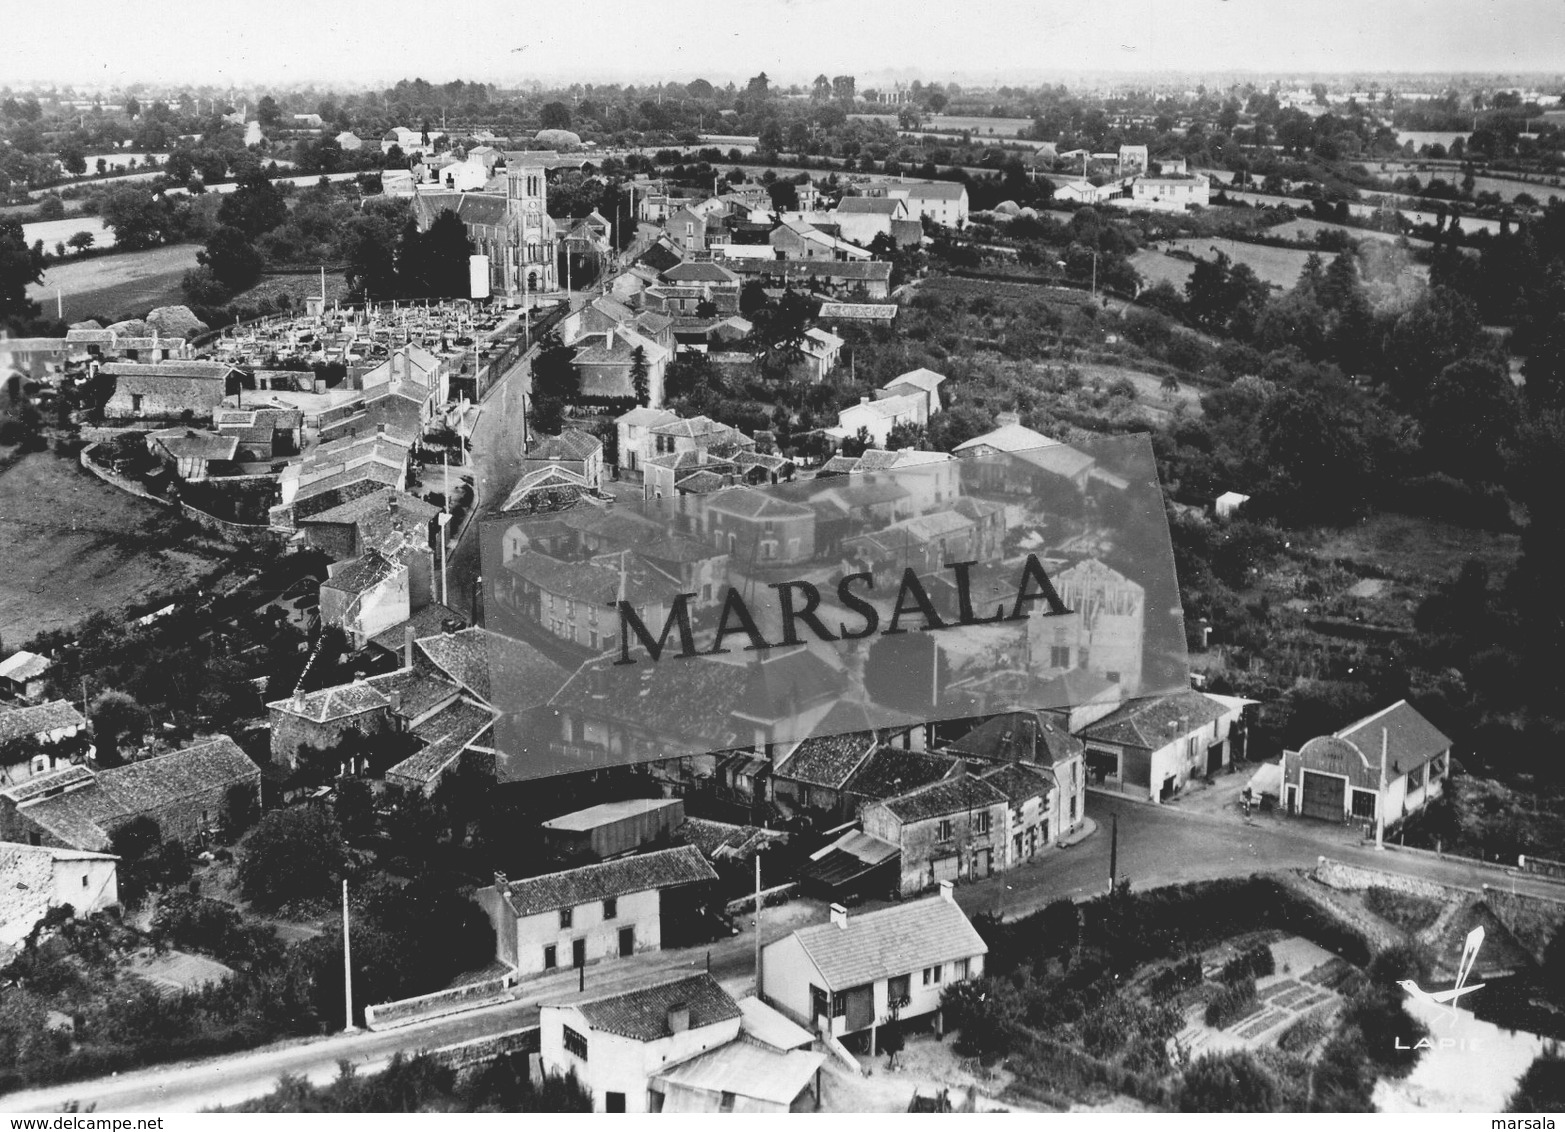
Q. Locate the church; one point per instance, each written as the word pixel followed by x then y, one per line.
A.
pixel 514 230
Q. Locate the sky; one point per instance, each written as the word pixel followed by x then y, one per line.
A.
pixel 353 43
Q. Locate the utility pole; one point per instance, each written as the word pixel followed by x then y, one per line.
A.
pixel 758 921
pixel 347 965
pixel 445 520
pixel 1113 852
pixel 1380 802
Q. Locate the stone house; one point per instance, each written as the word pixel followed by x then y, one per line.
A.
pixel 321 718
pixel 1151 748
pixel 77 808
pixel 576 451
pixel 367 595
pixel 23 674
pixel 1047 758
pixel 36 727
pixel 382 517
pixel 262 434
pixel 167 390
pixel 753 527
pixel 193 454
pixel 956 828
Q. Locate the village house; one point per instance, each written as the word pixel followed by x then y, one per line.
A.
pixel 1151 748
pixel 815 773
pixel 955 828
pixel 23 674
pixel 367 595
pixel 605 366
pixel 678 1044
pixel 26 732
pixel 923 382
pixel 944 202
pixel 262 434
pixel 876 418
pixel 1048 789
pixel 605 911
pixel 184 791
pixel 613 829
pixel 861 219
pixel 869 279
pixel 36 878
pixel 1387 765
pixel 192 454
pixel 578 452
pixel 753 527
pixel 635 436
pixel 166 390
pixel 853 974
pixel 798 239
pixel 1170 192
pixel 572 600
pixel 322 718
pixel 382 519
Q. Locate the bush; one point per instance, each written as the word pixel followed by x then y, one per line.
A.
pixel 1231 1003
pixel 1252 963
pixel 1229 1082
pixel 293 854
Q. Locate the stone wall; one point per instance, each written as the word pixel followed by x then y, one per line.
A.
pixel 290 731
pixel 1356 878
pixel 468 1055
pixel 1531 920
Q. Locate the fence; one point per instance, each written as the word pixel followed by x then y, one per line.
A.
pixel 406 1011
pixel 1542 866
pixel 496 368
pixel 237 532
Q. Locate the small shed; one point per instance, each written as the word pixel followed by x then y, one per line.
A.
pixel 613 829
pixel 1228 503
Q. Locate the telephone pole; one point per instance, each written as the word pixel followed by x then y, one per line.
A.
pixel 347 964
pixel 1113 852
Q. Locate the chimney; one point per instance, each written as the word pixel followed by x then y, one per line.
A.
pixel 407 646
pixel 298 699
pixel 839 915
pixel 396 701
pixel 678 1018
pixel 608 338
pixel 863 400
pixel 499 879
pixel 946 892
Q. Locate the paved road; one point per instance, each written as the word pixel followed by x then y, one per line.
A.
pixel 1158 845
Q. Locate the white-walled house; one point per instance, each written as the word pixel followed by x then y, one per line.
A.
pixel 842 977
pixel 583 916
pixel 879 417
pixel 944 202
pixel 616 1043
pixel 36 878
pixel 1151 748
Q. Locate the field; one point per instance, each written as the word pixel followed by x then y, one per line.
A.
pixel 1417 550
pixel 1278 266
pixel 57 231
pixel 71 545
pixel 117 286
pixel 956 123
pixel 1305 229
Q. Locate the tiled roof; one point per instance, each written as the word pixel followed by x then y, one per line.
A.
pixel 471 656
pixel 606 813
pixel 1035 736
pixel 899 940
pixel 597 581
pixel 572 444
pixel 430 621
pixel 327 704
pixel 645 417
pixel 1019 782
pixel 1410 738
pixel 828 760
pixel 1156 721
pixel 193 444
pixel 470 208
pixel 702 482
pixel 890 771
pixel 754 504
pixel 642 1014
pixel 446 735
pixel 1007 438
pixel 926 379
pixel 692 272
pixel 813 268
pixel 40 784
pixel 948 796
pixel 880 206
pixel 935 190
pixel 645 872
pixel 362 573
pixel 463 719
pixel 84 817
pixel 36 720
pixel 378 499
pixel 211 371
pixel 415 690
pixel 747 1068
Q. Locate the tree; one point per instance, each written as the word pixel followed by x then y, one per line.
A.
pixel 132 106
pixel 1470 419
pixel 267 112
pixel 293 854
pixel 555 384
pixel 1228 1082
pixel 255 207
pixel 135 216
pixel 231 258
pixel 1439 328
pixel 638 374
pixel 554 116
pixel 20 266
pixel 81 241
pixel 355 808
pixel 73 158
pixel 434 263
pixel 907 671
pixel 1542 1087
pixel 759 86
pixel 785 196
pixel 115 716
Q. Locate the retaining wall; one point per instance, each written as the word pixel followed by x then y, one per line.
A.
pixel 406 1011
pixel 467 1055
pixel 1357 878
pixel 1531 920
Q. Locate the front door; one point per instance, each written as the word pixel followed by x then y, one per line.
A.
pixel 861 1007
pixel 578 953
pixel 627 942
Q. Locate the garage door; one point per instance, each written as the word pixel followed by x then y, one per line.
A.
pixel 946 868
pixel 1323 796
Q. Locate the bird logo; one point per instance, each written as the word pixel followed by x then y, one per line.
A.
pixel 1448 999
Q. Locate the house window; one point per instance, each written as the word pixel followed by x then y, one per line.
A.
pixel 943 830
pixel 726 1102
pixel 1415 778
pixel 575 1043
pixel 1059 656
pixel 551 957
pixel 932 975
pixel 1363 803
pixel 839 1005
pixel 981 823
pixel 898 989
pixel 960 971
pixel 135 402
pixel 613 1102
pixel 706 592
pixel 610 908
pixel 84 880
pixel 565 917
